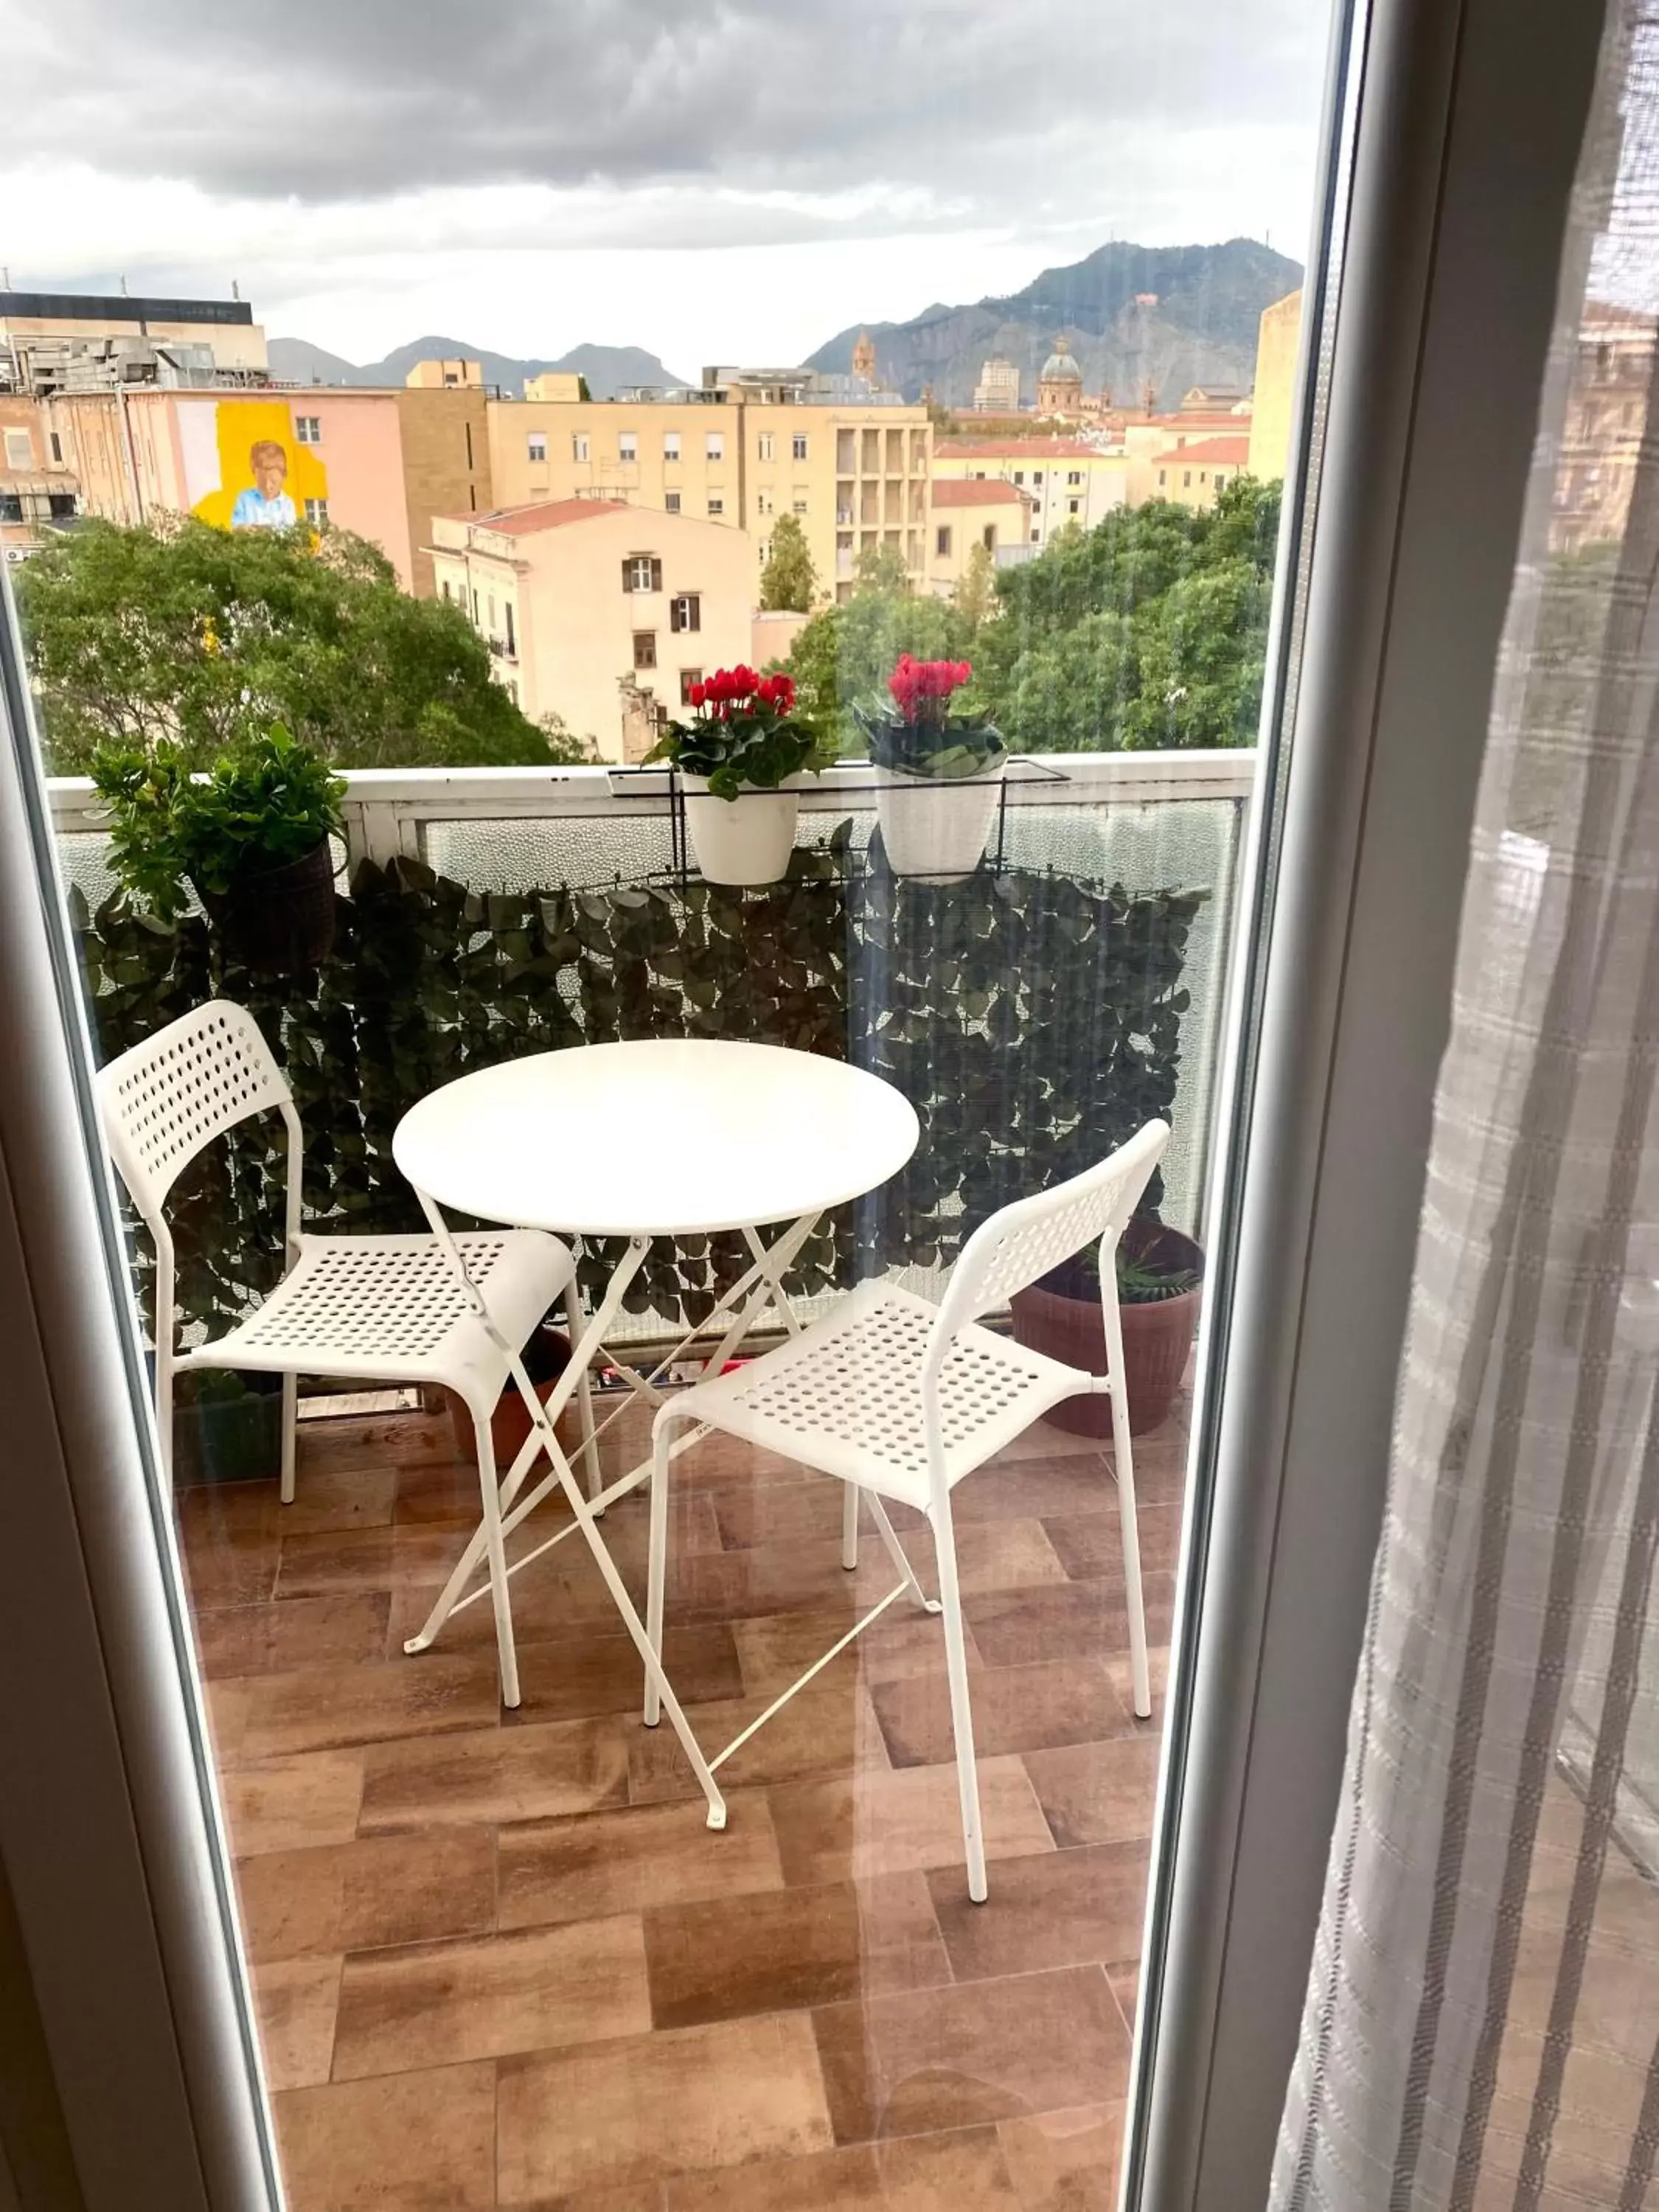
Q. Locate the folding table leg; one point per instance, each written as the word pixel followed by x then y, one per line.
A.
pixel 573 1321
pixel 496 1550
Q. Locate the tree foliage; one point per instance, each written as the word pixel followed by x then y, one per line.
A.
pixel 844 656
pixel 789 582
pixel 206 637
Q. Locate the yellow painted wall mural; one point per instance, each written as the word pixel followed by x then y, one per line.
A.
pixel 266 475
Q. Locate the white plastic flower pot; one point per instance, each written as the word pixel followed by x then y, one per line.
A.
pixel 937 826
pixel 746 840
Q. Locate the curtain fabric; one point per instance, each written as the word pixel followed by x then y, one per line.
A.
pixel 1481 2030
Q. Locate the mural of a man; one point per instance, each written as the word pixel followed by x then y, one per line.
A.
pixel 265 504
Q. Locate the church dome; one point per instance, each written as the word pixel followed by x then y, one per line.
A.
pixel 1060 368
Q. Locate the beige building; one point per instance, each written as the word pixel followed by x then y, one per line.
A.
pixel 964 512
pixel 445 376
pixel 561 384
pixel 996 391
pixel 39 490
pixel 591 604
pixel 1277 338
pixel 1069 480
pixel 1197 471
pixel 1150 440
pixel 54 342
pixel 854 475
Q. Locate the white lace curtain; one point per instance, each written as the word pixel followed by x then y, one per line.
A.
pixel 1481 2032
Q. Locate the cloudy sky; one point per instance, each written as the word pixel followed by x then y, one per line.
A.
pixel 713 179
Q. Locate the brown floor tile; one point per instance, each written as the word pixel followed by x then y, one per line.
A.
pixel 1065 2161
pixel 791 1948
pixel 375 1440
pixel 405 2142
pixel 323 1707
pixel 1066 1908
pixel 1091 1544
pixel 288 1803
pixel 1004 1555
pixel 1118 1668
pixel 971 2053
pixel 963 2172
pixel 295 2001
pixel 857 1827
pixel 1069 1700
pixel 645 2107
pixel 777 1650
pixel 365 1559
pixel 580 1675
pixel 361 1896
pixel 1098 1793
pixel 230 1570
pixel 497 1774
pixel 332 1499
pixel 440 2004
pixel 622 1862
pixel 829 1728
pixel 1013 1628
pixel 303 1632
pixel 1125 1979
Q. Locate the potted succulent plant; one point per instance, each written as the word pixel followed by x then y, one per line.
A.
pixel 741 756
pixel 1160 1275
pixel 938 777
pixel 251 837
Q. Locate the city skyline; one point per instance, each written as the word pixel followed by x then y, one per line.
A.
pixel 711 182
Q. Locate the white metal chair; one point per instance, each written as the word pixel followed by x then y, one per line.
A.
pixel 360 1308
pixel 900 1399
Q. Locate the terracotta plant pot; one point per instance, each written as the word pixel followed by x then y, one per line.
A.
pixel 742 841
pixel 547 1355
pixel 1157 1338
pixel 279 921
pixel 936 827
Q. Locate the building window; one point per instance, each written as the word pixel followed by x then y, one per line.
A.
pixel 537 443
pixel 19 450
pixel 307 430
pixel 641 572
pixel 686 612
pixel 492 613
pixel 56 448
pixel 578 445
pixel 1162 479
pixel 800 504
pixel 671 444
pixel 512 634
pixel 764 446
pixel 475 609
pixel 1019 476
pixel 317 514
pixel 627 445
pixel 942 541
pixel 1074 476
pixel 671 502
pixel 1186 480
pixel 716 505
pixel 645 648
pixel 799 445
pixel 714 445
pixel 443 585
pixel 1220 479
pixel 1037 475
pixel 988 538
pixel 762 502
pixel 1036 537
pixel 688 678
pixel 1074 505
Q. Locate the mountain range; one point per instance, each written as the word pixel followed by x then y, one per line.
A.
pixel 609 369
pixel 1168 316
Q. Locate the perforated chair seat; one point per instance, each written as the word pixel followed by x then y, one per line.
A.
pixel 845 1395
pixel 389 1308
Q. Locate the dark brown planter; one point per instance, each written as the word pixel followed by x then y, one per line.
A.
pixel 546 1356
pixel 279 921
pixel 1157 1340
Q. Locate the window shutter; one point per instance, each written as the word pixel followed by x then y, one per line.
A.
pixel 656 575
pixel 694 611
pixel 676 607
pixel 628 575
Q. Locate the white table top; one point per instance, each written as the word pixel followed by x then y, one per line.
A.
pixel 660 1138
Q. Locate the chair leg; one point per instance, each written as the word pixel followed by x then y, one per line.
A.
pixel 657 1571
pixel 849 1526
pixel 496 1551
pixel 572 1322
pixel 897 1554
pixel 1123 1461
pixel 961 1716
pixel 290 1424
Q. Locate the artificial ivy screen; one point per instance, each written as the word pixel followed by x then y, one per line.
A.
pixel 1033 1021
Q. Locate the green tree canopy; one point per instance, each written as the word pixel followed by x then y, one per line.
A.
pixel 845 655
pixel 208 637
pixel 789 582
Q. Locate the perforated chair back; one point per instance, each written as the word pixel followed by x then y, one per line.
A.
pixel 167 1099
pixel 1011 1250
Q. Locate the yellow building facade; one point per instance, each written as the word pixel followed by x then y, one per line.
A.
pixel 965 512
pixel 855 477
pixel 1278 339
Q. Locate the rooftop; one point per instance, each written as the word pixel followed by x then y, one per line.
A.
pixel 93 308
pixel 1017 449
pixel 977 491
pixel 541 514
pixel 1222 452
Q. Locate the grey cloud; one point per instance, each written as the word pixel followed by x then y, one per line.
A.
pixel 344 99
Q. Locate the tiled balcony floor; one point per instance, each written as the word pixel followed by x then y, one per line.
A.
pixel 499 1959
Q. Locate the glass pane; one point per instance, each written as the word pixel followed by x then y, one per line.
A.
pixel 798 845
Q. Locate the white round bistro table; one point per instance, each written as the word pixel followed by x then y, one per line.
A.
pixel 671 1137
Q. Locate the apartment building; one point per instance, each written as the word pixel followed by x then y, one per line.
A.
pixel 1197 471
pixel 968 511
pixel 68 342
pixel 1278 337
pixel 380 463
pixel 39 490
pixel 853 475
pixel 1069 480
pixel 602 612
pixel 1149 441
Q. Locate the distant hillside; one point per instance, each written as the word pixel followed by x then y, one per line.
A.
pixel 607 368
pixel 1202 328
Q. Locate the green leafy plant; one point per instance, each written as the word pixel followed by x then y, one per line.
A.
pixel 744 736
pixel 1152 1267
pixel 269 802
pixel 919 735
